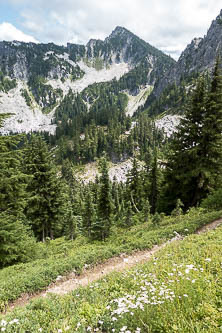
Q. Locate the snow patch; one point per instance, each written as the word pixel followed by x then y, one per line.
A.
pixel 24 119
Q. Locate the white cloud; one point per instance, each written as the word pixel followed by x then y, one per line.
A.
pixel 169 25
pixel 9 32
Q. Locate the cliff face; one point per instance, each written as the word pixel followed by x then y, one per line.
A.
pixel 198 56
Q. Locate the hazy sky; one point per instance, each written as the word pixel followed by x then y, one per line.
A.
pixel 167 24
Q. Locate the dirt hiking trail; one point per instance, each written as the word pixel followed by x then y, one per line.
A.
pixel 66 284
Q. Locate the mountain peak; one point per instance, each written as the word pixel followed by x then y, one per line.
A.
pixel 92 42
pixel 119 31
pixel 220 13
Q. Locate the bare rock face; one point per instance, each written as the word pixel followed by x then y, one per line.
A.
pixel 117 172
pixel 22 119
pixel 168 124
pixel 198 56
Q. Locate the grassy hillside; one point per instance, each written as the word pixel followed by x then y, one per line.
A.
pixel 177 291
pixel 60 257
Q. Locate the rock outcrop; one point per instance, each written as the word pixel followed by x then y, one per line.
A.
pixel 198 56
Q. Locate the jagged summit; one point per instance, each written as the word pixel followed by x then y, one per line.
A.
pixel 93 42
pixel 124 34
pixel 220 15
pixel 119 31
pixel 197 57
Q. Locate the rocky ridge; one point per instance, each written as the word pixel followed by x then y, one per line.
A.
pixel 45 73
pixel 198 56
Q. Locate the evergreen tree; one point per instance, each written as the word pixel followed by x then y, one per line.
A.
pixel 146 210
pixel 46 204
pixel 105 205
pixel 16 241
pixel 154 178
pixel 128 220
pixel 195 162
pixel 13 181
pixel 134 187
pixel 183 166
pixel 212 132
pixel 89 217
pixel 115 197
pixel 178 209
pixel 73 189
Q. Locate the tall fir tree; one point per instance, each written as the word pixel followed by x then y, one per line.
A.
pixel 16 242
pixel 146 210
pixel 73 200
pixel 134 187
pixel 13 181
pixel 105 205
pixel 128 219
pixel 89 217
pixel 195 163
pixel 45 205
pixel 184 168
pixel 212 130
pixel 154 178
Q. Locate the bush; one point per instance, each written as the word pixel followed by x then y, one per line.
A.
pixel 213 201
pixel 16 242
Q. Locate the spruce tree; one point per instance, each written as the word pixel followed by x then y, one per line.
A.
pixel 13 181
pixel 128 220
pixel 134 187
pixel 104 206
pixel 195 163
pixel 72 191
pixel 89 217
pixel 184 169
pixel 146 210
pixel 46 203
pixel 212 130
pixel 115 197
pixel 17 243
pixel 154 178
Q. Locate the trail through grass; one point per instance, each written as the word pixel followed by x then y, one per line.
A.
pixel 17 280
pixel 178 290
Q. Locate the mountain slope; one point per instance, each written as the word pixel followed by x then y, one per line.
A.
pixel 199 56
pixel 47 72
